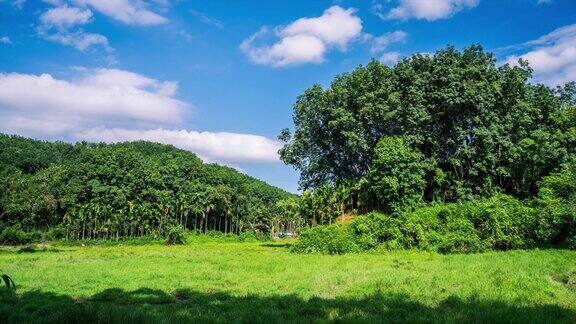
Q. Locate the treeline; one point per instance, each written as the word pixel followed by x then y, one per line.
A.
pixel 100 191
pixel 450 127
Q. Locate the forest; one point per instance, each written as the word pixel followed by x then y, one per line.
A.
pixel 98 191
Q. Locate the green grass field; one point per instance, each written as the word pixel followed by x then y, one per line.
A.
pixel 264 282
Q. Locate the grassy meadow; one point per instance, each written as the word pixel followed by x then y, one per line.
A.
pixel 216 281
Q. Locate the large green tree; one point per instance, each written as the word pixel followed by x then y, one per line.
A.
pixel 481 127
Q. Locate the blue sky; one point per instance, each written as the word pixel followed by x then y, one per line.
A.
pixel 220 77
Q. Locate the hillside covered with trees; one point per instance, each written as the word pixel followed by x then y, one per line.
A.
pixel 90 191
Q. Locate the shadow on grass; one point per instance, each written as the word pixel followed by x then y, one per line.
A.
pixel 36 249
pixel 147 305
pixel 277 245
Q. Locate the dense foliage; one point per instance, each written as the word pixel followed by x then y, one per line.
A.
pixel 500 222
pixel 395 180
pixel 449 151
pixel 89 191
pixel 480 128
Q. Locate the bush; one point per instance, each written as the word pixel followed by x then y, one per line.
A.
pixel 175 234
pixel 55 233
pixel 556 205
pixel 330 239
pixel 247 236
pixel 572 243
pixel 254 236
pixel 15 236
pixel 497 223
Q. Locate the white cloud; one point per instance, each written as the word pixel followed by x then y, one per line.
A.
pixel 379 45
pixel 290 50
pixel 306 40
pixel 390 57
pixel 114 105
pixel 65 17
pixel 60 25
pixel 79 40
pixel 336 26
pixel 133 12
pixel 552 56
pixel 427 9
pixel 104 97
pixel 210 146
pixel 5 40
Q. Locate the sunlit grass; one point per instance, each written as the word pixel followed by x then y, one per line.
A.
pixel 209 280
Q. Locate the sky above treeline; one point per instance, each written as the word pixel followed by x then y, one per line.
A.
pixel 219 78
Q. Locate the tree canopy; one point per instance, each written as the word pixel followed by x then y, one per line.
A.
pixel 481 128
pixel 128 189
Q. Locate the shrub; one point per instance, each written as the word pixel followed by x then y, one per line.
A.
pixel 498 223
pixel 15 236
pixel 571 243
pixel 175 234
pixel 55 233
pixel 330 239
pixel 556 205
pixel 248 236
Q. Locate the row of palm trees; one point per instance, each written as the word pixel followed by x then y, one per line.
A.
pixel 215 209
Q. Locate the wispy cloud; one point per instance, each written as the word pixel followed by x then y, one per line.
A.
pixel 380 44
pixel 126 11
pixel 207 20
pixel 552 56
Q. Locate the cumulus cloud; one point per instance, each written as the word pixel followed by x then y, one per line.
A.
pixel 62 25
pixel 425 9
pixel 113 105
pixel 305 40
pixel 132 12
pixel 210 146
pixel 5 40
pixel 552 56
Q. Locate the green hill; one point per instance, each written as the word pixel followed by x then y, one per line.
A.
pixel 87 190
